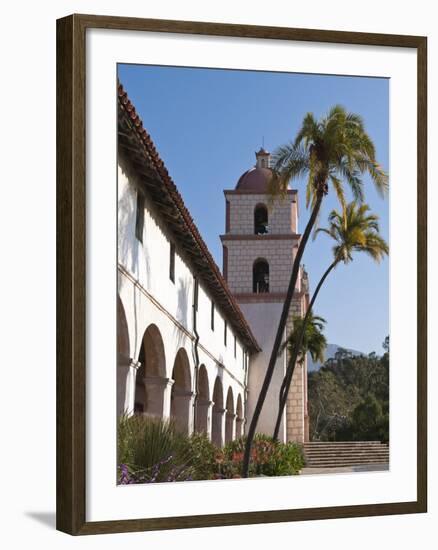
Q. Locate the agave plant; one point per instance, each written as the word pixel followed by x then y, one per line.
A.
pixel 151 449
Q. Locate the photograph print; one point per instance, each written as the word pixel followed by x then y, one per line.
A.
pixel 276 363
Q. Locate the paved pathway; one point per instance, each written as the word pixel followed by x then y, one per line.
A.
pixel 346 469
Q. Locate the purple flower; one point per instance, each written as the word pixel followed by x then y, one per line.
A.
pixel 125 478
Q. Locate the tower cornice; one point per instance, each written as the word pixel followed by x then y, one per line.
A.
pixel 254 192
pixel 265 297
pixel 266 237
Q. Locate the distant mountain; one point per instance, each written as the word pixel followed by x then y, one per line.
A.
pixel 329 353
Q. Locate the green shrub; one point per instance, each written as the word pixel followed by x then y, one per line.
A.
pixel 152 450
pixel 202 453
pixel 268 458
pixel 290 459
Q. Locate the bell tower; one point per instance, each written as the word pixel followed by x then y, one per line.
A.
pixel 259 246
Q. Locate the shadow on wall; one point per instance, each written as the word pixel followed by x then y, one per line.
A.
pixel 182 310
pixel 128 245
pixel 127 249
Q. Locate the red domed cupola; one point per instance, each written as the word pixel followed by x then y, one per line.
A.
pixel 257 178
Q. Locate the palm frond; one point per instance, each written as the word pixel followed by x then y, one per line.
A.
pixel 378 175
pixel 355 229
pixel 308 132
pixel 313 342
pixel 289 162
pixel 337 186
pixel 335 149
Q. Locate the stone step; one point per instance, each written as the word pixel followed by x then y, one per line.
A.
pixel 347 447
pixel 319 444
pixel 344 451
pixel 340 458
pixel 348 450
pixel 321 463
pixel 336 454
pixel 352 467
pixel 341 447
pixel 328 467
pixel 342 443
pixel 346 455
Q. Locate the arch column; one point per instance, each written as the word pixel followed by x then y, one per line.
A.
pixel 230 426
pixel 204 416
pixel 126 373
pixel 218 426
pixel 183 409
pixel 240 423
pixel 158 391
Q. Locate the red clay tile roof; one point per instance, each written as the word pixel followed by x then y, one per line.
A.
pixel 139 146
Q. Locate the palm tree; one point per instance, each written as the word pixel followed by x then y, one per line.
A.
pixel 313 342
pixel 331 151
pixel 353 230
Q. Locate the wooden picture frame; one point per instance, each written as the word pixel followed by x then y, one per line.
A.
pixel 71 273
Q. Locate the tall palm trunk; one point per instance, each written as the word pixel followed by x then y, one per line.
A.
pixel 280 331
pixel 284 390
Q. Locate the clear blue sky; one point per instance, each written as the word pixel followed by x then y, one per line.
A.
pixel 208 123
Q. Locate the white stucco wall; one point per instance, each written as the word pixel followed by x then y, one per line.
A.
pixel 149 296
pixel 263 319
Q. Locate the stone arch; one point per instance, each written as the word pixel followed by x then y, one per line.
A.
pixel 230 417
pixel 260 276
pixel 261 219
pixel 123 347
pixel 203 402
pixel 239 416
pixel 123 359
pixel 151 381
pixel 181 400
pixel 218 428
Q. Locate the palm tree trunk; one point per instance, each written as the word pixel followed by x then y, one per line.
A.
pixel 279 335
pixel 284 390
